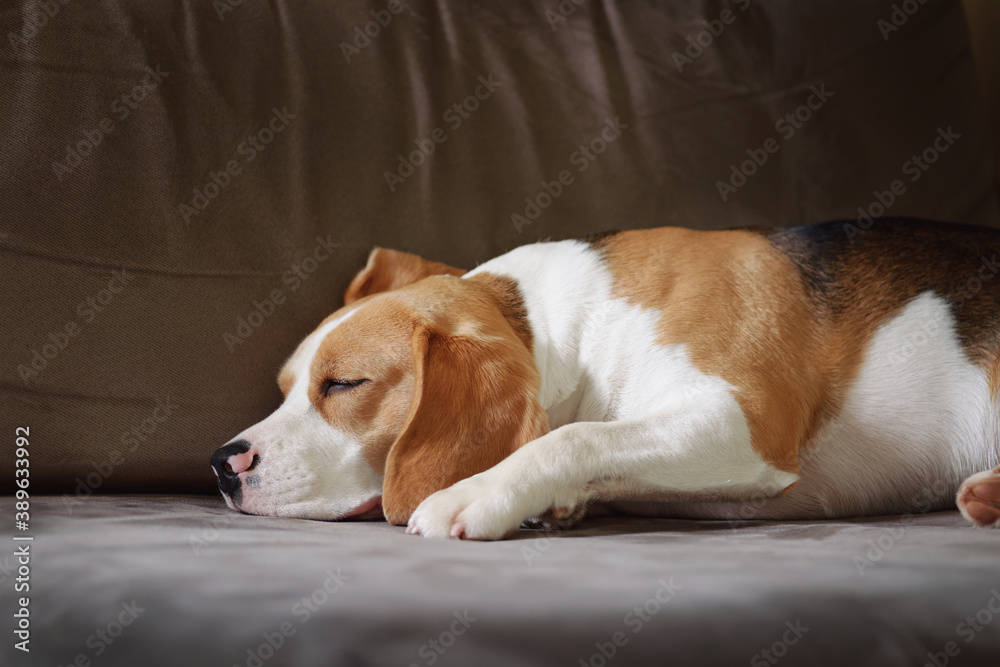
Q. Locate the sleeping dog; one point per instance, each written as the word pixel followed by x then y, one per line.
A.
pixel 792 373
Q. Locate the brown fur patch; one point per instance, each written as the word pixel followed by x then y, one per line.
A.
pixel 786 314
pixel 475 397
pixel 373 345
pixel 510 301
pixel 993 374
pixel 739 308
pixel 391 269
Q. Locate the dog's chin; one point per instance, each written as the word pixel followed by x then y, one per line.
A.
pixel 370 509
pixel 229 503
pixel 367 510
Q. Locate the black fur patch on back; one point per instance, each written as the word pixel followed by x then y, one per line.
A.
pixel 897 259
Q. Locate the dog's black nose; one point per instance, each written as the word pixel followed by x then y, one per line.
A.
pixel 227 461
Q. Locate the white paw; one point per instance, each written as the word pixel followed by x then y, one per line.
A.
pixel 472 509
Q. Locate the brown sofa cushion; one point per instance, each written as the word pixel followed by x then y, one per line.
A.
pixel 189 186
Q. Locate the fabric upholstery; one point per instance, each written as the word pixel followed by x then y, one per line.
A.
pixel 212 583
pixel 189 186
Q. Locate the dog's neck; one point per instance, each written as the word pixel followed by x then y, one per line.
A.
pixel 563 287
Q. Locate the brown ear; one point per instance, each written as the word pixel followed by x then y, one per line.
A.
pixel 473 405
pixel 391 269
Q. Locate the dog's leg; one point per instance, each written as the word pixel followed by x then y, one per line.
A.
pixel 701 449
pixel 979 498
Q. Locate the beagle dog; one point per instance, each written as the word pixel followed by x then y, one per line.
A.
pixel 792 373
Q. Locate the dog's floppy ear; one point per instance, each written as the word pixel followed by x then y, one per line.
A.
pixel 391 269
pixel 474 404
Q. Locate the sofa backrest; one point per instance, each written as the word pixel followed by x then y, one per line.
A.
pixel 188 187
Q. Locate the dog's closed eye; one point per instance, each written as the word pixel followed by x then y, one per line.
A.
pixel 330 387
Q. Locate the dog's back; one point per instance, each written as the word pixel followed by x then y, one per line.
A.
pixel 878 367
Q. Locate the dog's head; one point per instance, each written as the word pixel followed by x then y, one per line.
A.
pixel 420 380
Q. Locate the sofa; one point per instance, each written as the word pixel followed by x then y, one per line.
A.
pixel 188 188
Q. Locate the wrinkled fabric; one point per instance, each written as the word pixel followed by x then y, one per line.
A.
pixel 186 188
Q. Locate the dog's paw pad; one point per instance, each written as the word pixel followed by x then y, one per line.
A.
pixel 979 498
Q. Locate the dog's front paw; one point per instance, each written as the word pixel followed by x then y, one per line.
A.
pixel 472 509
